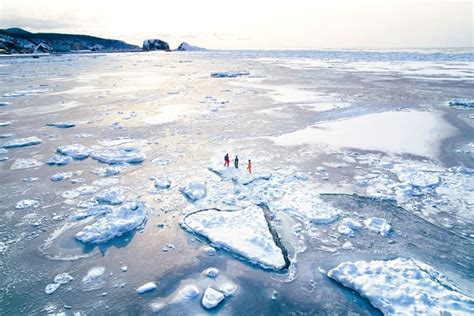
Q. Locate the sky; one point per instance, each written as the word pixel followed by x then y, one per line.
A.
pixel 254 24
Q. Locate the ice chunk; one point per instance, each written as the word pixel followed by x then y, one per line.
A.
pixel 4 103
pixel 111 196
pixel 94 275
pixel 244 232
pixel 61 176
pixel 22 142
pixel 378 225
pixel 228 289
pixel 63 278
pixel 75 151
pixel 189 292
pixel 461 103
pixel 211 272
pixel 120 155
pixel 62 124
pixel 122 220
pixel 51 288
pixel 25 204
pixel 212 298
pixel 58 160
pixel 150 286
pixel 229 74
pixel 194 190
pixel 107 171
pixel 162 183
pixel 348 226
pixel 403 287
pixel 25 163
pixel 6 123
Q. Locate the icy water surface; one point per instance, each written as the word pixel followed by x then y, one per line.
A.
pixel 107 160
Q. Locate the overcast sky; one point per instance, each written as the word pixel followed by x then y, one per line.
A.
pixel 257 24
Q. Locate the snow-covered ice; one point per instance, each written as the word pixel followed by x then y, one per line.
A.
pixel 22 142
pixel 212 298
pixel 378 225
pixel 119 155
pixel 112 196
pixel 58 160
pixel 75 151
pixel 194 190
pixel 61 176
pixel 403 287
pixel 121 221
pixel 162 183
pixel 244 232
pixel 189 292
pixel 94 275
pixel 25 163
pixel 211 272
pixel 150 286
pixel 51 288
pixel 26 204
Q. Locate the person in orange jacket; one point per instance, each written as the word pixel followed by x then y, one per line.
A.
pixel 249 166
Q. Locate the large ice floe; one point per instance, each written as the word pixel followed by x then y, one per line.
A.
pixel 403 287
pixel 120 155
pixel 121 220
pixel 22 142
pixel 243 232
pixel 75 151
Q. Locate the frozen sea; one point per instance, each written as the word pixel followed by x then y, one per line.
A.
pixel 114 198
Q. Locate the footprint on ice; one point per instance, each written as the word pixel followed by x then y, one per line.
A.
pixel 244 233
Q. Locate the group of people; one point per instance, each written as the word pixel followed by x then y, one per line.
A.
pixel 236 162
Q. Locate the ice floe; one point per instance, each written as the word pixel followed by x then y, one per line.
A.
pixel 107 171
pixel 58 160
pixel 22 142
pixel 51 288
pixel 112 196
pixel 61 124
pixel 82 190
pixel 94 275
pixel 378 225
pixel 114 224
pixel 26 204
pixel 228 289
pixel 150 286
pixel 94 210
pixel 189 292
pixel 119 155
pixel 162 183
pixel 229 74
pixel 461 103
pixel 75 151
pixel 244 232
pixel 6 123
pixel 403 287
pixel 212 298
pixel 211 272
pixel 25 163
pixel 194 190
pixel 61 176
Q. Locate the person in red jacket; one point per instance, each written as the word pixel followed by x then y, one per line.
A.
pixel 249 166
pixel 226 160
